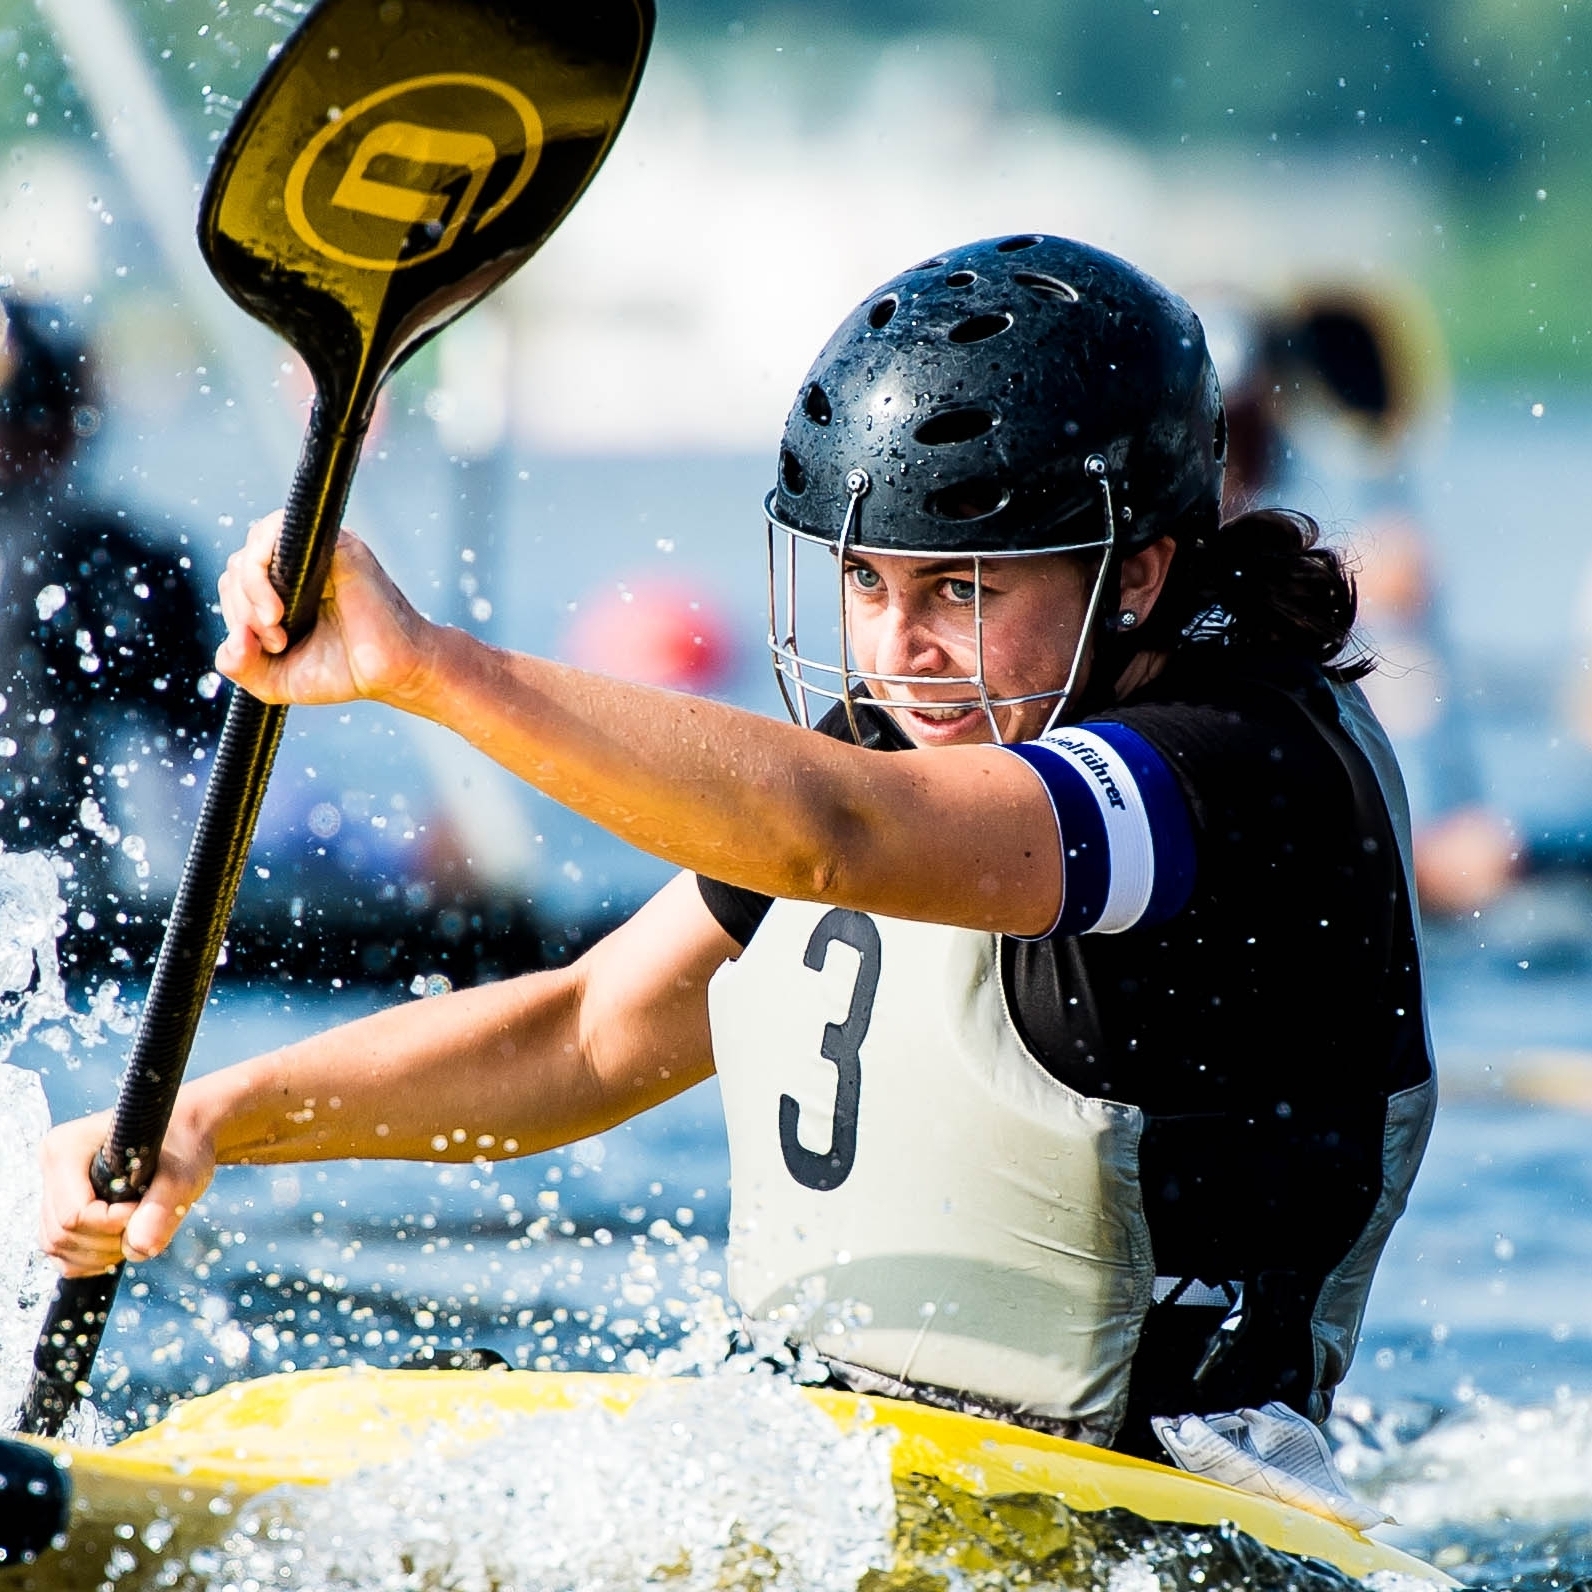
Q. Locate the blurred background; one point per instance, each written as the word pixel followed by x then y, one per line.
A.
pixel 1382 213
pixel 1381 216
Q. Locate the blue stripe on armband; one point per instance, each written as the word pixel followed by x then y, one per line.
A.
pixel 1127 841
pixel 1085 851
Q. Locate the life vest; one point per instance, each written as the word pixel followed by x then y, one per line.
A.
pixel 911 1192
pixel 915 1197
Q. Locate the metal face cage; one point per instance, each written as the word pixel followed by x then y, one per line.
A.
pixel 801 677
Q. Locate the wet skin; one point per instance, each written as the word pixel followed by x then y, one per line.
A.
pixel 915 617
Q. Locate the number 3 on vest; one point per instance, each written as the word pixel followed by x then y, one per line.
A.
pixel 842 1045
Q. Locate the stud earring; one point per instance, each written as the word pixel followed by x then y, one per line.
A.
pixel 1127 619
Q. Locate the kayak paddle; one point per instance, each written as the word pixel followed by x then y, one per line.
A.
pixel 398 159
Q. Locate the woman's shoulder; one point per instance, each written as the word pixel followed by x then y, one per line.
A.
pixel 1236 694
pixel 1237 727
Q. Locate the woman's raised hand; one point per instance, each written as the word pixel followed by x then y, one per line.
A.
pixel 368 641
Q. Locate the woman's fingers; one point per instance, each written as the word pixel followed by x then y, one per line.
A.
pixel 367 641
pixel 183 1175
pixel 249 602
pixel 81 1232
pixel 251 655
pixel 77 1229
pixel 90 1241
pixel 265 603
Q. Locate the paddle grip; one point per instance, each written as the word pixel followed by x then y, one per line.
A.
pixel 197 926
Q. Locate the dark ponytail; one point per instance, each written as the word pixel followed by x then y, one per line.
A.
pixel 1262 579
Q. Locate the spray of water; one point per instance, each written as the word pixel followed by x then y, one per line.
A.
pixel 733 1480
pixel 25 1279
pixel 33 997
pixel 34 1005
pixel 1490 1492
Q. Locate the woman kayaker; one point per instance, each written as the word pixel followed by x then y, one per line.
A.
pixel 1063 988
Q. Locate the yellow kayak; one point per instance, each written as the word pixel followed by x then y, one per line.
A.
pixel 144 1506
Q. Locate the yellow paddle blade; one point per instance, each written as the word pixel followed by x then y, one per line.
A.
pixel 176 1487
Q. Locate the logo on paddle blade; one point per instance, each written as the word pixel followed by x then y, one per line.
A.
pixel 400 176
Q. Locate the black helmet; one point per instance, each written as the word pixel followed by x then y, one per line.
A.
pixel 996 398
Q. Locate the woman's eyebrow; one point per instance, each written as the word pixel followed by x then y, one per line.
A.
pixel 942 567
pixel 921 571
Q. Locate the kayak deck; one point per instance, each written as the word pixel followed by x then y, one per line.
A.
pixel 174 1488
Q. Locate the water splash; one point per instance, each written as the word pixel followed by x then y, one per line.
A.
pixel 34 1005
pixel 27 1280
pixel 731 1481
pixel 31 919
pixel 1490 1461
pixel 1493 1493
pixel 25 1277
pixel 728 1481
pixel 33 998
pixel 32 1001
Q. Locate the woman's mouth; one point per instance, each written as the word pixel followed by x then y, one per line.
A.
pixel 941 721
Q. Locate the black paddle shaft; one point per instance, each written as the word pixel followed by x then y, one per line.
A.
pixel 192 943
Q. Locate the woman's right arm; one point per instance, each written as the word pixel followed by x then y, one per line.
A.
pixel 502 1070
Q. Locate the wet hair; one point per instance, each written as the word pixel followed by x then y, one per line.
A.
pixel 1263 580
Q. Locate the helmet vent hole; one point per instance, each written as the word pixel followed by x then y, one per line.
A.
pixel 1012 245
pixel 1047 287
pixel 791 475
pixel 967 500
pixel 961 279
pixel 883 312
pixel 816 405
pixel 1219 445
pixel 953 425
pixel 929 265
pixel 977 327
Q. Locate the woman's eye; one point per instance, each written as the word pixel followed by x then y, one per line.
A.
pixel 960 591
pixel 865 579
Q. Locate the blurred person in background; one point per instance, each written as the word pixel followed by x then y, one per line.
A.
pixel 1344 373
pixel 104 634
pixel 1062 982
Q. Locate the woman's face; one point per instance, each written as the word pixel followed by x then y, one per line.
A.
pixel 914 617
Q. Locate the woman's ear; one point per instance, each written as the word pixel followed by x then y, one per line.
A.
pixel 1143 576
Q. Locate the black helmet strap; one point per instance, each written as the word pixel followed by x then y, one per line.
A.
pixel 1105 599
pixel 858 484
pixel 1114 645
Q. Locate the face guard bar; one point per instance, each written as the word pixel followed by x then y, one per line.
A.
pixel 800 677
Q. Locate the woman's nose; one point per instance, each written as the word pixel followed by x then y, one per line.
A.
pixel 907 644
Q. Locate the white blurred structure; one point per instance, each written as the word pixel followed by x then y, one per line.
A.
pixel 51 218
pixel 678 307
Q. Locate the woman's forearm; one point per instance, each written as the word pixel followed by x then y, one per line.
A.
pixel 505 1069
pixel 493 1071
pixel 945 835
pixel 644 763
pixel 956 834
